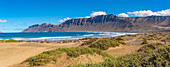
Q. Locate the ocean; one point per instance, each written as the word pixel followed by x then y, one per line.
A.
pixel 58 36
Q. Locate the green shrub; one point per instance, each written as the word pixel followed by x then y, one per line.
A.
pixel 43 58
pixel 119 38
pixel 121 42
pixel 53 55
pixel 12 40
pixel 133 35
pixel 152 35
pixel 150 38
pixel 145 41
pixel 90 41
pixel 1 40
pixel 151 55
pixel 105 43
pixel 163 40
pixel 147 47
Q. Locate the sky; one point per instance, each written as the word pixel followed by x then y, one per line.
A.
pixel 17 15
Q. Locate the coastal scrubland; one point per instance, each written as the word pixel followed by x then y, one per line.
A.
pixel 151 49
pixel 152 55
pixel 144 49
pixel 53 55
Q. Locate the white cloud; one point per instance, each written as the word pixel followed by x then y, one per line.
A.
pixel 87 17
pixel 123 15
pixel 144 13
pixel 64 19
pixel 3 20
pixel 93 14
pixel 79 17
pixel 164 12
pixel 141 13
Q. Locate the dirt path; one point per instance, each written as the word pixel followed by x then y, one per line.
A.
pixel 14 53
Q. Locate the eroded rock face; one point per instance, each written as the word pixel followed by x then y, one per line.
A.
pixel 106 23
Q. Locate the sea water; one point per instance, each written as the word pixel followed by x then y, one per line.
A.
pixel 58 36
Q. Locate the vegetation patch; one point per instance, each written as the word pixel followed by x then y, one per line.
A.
pixel 105 43
pixel 10 40
pixel 121 42
pixel 51 56
pixel 151 55
pixel 119 38
pixel 152 35
pixel 132 35
pixel 90 41
pixel 145 41
pixel 1 40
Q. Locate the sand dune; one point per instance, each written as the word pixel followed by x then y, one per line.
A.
pixel 14 53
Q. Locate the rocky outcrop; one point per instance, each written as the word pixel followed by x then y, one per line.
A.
pixel 106 23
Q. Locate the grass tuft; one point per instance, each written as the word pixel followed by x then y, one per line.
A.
pixel 53 55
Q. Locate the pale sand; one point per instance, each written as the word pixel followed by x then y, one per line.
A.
pixel 15 53
pixel 132 45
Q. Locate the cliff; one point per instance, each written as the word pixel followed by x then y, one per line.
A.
pixel 106 23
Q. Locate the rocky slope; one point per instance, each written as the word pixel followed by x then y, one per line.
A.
pixel 107 23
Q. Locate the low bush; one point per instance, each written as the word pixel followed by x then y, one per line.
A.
pixel 150 38
pixel 145 41
pixel 51 56
pixel 1 40
pixel 90 41
pixel 151 55
pixel 105 43
pixel 121 42
pixel 43 58
pixel 133 35
pixel 119 38
pixel 12 40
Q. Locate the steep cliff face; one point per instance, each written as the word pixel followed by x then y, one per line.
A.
pixel 107 23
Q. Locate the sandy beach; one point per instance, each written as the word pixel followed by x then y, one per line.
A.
pixel 14 53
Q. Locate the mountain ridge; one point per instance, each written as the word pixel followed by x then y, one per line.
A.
pixel 106 23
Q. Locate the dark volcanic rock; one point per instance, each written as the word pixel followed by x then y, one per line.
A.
pixel 106 23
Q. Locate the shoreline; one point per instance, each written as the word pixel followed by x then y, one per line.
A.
pixel 67 41
pixel 73 37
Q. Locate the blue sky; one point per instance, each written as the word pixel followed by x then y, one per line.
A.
pixel 16 15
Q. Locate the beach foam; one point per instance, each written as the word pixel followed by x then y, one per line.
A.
pixel 57 36
pixel 42 38
pixel 89 35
